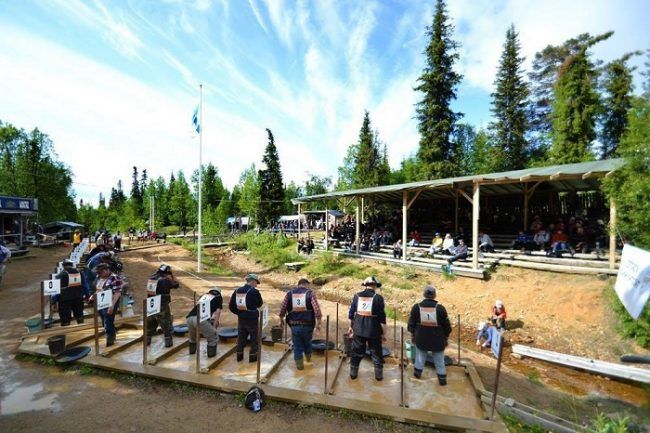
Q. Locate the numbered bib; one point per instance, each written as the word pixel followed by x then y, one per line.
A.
pixel 104 299
pixel 364 306
pixel 428 316
pixel 51 287
pixel 153 305
pixel 299 301
pixel 74 280
pixel 204 309
pixel 240 300
pixel 265 316
pixel 151 287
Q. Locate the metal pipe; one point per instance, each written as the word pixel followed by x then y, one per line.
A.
pixel 401 369
pixel 394 330
pixel 197 336
pixel 42 308
pixel 459 339
pixel 95 325
pixel 145 351
pixel 327 340
pixel 259 346
pixel 337 326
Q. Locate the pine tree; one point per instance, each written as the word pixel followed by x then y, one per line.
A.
pixel 346 171
pixel 509 103
pixel 246 195
pixel 368 160
pixel 271 186
pixel 182 204
pixel 617 102
pixel 436 119
pixel 136 193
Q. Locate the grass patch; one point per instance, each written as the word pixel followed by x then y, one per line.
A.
pixel 273 250
pixel 534 377
pixel 329 263
pixel 639 329
pixel 515 425
pixel 206 260
pixel 409 273
pixel 604 424
pixel 23 357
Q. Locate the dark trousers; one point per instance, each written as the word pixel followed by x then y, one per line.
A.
pixel 70 307
pixel 246 327
pixel 359 350
pixel 457 257
pixel 108 320
pixel 162 319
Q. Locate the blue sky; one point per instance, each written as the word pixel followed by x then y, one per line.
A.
pixel 115 83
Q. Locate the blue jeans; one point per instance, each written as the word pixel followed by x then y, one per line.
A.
pixel 438 360
pixel 301 337
pixel 108 320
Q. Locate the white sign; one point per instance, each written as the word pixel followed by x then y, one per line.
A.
pixel 153 305
pixel 51 287
pixel 265 316
pixel 53 276
pixel 104 299
pixel 204 309
pixel 633 280
pixel 495 345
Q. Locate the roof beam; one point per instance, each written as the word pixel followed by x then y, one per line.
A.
pixel 464 194
pixel 531 190
pixel 417 194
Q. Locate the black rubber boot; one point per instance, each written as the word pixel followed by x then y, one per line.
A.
pixel 240 356
pixel 354 371
pixel 417 373
pixel 148 340
pixel 212 351
pixel 192 348
pixel 169 341
pixel 252 357
pixel 442 379
pixel 300 365
pixel 308 357
pixel 379 373
pixel 110 341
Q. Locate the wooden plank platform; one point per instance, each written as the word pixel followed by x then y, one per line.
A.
pixel 455 407
pixel 559 268
pixel 593 365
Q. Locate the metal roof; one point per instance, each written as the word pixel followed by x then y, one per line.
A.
pixel 582 176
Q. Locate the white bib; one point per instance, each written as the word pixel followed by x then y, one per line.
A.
pixel 240 300
pixel 208 297
pixel 151 287
pixel 428 316
pixel 364 306
pixel 74 280
pixel 299 301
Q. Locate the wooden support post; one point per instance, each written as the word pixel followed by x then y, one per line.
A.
pixel 299 220
pixel 456 213
pixel 327 340
pixel 525 208
pixel 404 223
pixel 95 326
pixel 357 238
pixel 475 218
pixel 259 346
pixel 42 308
pixel 401 368
pixel 327 217
pixel 496 379
pixel 337 326
pixel 458 340
pixel 197 336
pixel 145 349
pixel 363 209
pixel 612 234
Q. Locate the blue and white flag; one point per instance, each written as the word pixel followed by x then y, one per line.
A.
pixel 195 120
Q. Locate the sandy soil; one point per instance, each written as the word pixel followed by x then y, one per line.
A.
pixel 41 398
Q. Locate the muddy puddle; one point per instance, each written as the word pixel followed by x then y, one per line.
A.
pixel 19 397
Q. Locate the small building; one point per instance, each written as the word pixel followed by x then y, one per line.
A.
pixel 62 230
pixel 15 214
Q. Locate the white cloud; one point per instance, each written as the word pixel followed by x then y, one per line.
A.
pixel 258 16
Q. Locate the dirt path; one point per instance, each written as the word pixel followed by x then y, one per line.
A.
pixel 43 398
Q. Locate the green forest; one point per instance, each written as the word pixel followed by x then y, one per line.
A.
pixel 570 107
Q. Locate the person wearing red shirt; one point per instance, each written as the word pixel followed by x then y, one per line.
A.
pixel 499 315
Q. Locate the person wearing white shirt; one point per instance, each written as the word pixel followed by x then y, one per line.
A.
pixel 485 243
pixel 448 246
pixel 541 238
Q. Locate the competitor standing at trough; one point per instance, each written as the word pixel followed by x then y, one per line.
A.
pixel 301 307
pixel 71 299
pixel 245 303
pixel 107 280
pixel 429 324
pixel 208 329
pixel 367 327
pixel 161 283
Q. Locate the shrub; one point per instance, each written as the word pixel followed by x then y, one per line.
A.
pixel 627 326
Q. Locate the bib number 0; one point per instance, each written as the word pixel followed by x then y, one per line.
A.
pixel 51 287
pixel 153 305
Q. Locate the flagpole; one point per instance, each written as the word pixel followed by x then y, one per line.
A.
pixel 198 260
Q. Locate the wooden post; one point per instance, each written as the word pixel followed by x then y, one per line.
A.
pixel 395 330
pixel 42 308
pixel 145 349
pixel 337 326
pixel 612 234
pixel 357 239
pixel 475 218
pixel 404 223
pixel 326 224
pixel 363 209
pixel 299 220
pixel 327 340
pixel 456 214
pixel 259 346
pixel 525 229
pixel 95 326
pixel 197 336
pixel 401 368
pixel 496 379
pixel 459 339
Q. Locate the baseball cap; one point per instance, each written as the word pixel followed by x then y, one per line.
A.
pixel 429 292
pixel 303 281
pixel 251 277
pixel 165 269
pixel 370 281
pixel 499 303
pixel 481 325
pixel 215 290
pixel 67 262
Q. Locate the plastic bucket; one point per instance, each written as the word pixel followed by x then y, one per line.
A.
pixel 410 350
pixel 56 344
pixel 276 333
pixel 33 324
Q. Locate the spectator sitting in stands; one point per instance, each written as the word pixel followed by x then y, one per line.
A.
pixel 436 245
pixel 499 315
pixel 580 239
pixel 376 243
pixel 365 244
pixel 415 239
pixel 559 243
pixel 301 245
pixel 309 247
pixel 397 249
pixel 448 246
pixel 461 252
pixel 485 243
pixel 541 239
pixel 524 242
